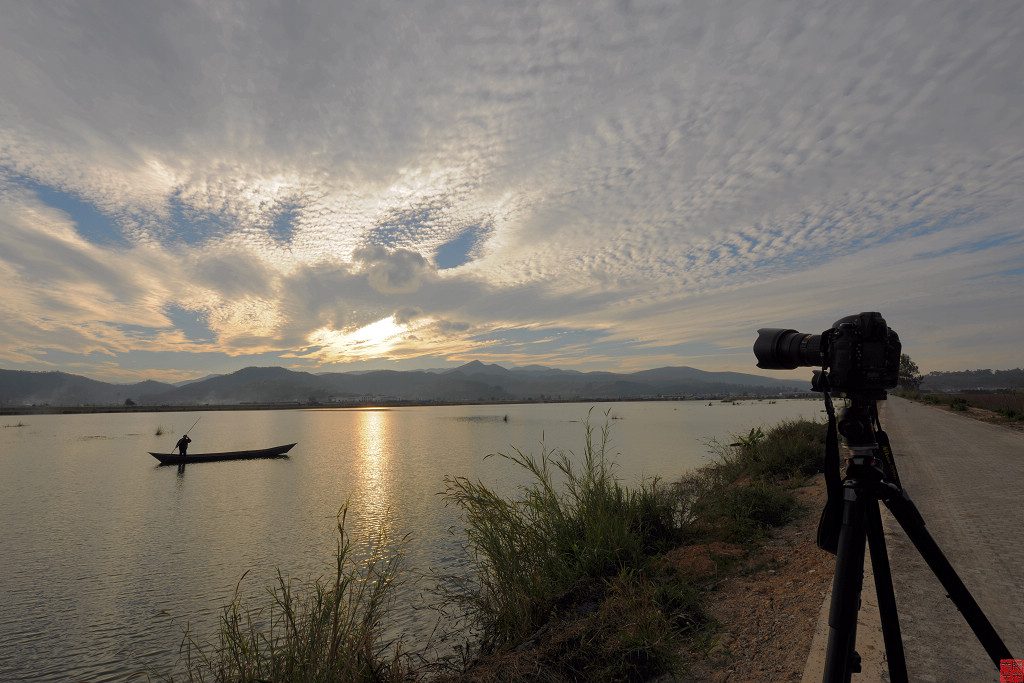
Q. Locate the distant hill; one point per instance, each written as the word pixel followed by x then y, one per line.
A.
pixel 474 381
pixel 60 388
pixel 967 380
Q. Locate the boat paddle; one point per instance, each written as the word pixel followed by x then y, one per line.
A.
pixel 189 430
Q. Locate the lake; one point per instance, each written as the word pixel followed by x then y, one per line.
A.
pixel 105 556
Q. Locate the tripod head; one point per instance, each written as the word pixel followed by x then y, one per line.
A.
pixel 860 429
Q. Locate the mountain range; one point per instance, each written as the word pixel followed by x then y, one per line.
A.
pixel 472 382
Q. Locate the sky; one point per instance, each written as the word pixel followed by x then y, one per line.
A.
pixel 190 188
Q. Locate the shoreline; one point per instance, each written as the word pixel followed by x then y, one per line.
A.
pixel 86 410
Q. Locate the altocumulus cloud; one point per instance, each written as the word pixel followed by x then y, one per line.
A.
pixel 189 187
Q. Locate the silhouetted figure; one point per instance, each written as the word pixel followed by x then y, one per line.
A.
pixel 183 443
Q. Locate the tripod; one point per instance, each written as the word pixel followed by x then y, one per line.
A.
pixel 851 517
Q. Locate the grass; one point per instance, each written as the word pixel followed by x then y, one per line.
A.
pixel 1007 405
pixel 330 631
pixel 574 522
pixel 578 554
pixel 745 492
pixel 577 576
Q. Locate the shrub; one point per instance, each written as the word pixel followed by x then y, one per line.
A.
pixel 910 394
pixel 791 448
pixel 753 508
pixel 742 494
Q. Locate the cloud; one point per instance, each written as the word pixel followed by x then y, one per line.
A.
pixel 398 271
pixel 643 174
pixel 407 314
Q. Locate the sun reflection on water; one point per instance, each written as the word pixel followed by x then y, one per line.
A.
pixel 375 443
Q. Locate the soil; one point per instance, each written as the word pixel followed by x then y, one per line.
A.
pixel 768 612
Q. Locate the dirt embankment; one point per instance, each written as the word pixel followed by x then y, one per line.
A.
pixel 769 610
pixel 765 601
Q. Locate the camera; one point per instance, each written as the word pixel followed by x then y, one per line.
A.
pixel 860 352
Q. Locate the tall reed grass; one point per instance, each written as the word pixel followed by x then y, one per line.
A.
pixel 574 522
pixel 331 630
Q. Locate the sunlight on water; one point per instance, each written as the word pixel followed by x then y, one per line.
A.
pixel 373 435
pixel 107 557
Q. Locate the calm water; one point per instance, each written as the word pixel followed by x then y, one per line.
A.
pixel 105 557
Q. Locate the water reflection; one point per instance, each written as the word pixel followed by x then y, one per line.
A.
pixel 375 453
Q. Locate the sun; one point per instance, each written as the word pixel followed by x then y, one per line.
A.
pixel 372 341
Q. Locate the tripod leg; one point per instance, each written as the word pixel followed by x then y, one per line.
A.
pixel 886 596
pixel 906 513
pixel 841 661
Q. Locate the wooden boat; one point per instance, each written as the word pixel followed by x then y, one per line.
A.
pixel 178 459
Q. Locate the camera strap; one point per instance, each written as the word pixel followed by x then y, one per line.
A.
pixel 885 450
pixel 832 514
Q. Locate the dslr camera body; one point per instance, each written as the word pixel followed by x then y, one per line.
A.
pixel 860 353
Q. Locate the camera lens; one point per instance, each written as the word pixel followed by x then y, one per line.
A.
pixel 778 349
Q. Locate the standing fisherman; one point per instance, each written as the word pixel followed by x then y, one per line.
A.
pixel 184 441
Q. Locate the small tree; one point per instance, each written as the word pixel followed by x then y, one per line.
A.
pixel 910 375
